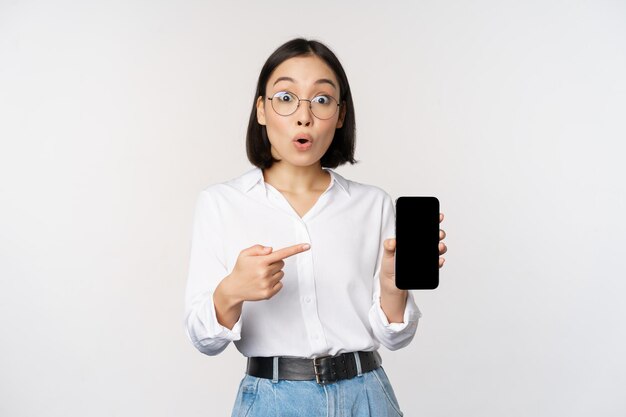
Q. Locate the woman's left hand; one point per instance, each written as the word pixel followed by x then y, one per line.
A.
pixel 387 271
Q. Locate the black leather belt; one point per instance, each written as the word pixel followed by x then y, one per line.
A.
pixel 323 369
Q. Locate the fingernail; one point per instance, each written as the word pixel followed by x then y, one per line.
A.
pixel 306 246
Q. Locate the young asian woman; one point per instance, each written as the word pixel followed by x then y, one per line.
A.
pixel 294 263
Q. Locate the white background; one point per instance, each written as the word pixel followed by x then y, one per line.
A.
pixel 115 114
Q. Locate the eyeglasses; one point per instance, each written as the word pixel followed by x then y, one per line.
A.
pixel 286 103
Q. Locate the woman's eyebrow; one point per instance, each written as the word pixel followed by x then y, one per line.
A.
pixel 320 81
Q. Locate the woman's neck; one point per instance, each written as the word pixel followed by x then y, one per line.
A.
pixel 297 180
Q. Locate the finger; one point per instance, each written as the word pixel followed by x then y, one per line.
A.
pixel 256 250
pixel 287 252
pixel 275 289
pixel 442 234
pixel 441 262
pixel 277 276
pixel 440 217
pixel 276 267
pixel 442 248
pixel 390 244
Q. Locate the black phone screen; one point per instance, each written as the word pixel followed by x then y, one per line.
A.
pixel 417 243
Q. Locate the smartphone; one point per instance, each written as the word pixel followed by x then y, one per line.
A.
pixel 417 243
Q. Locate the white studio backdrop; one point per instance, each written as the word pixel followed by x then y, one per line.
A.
pixel 115 115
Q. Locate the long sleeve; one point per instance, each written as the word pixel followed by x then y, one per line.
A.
pixel 391 335
pixel 206 270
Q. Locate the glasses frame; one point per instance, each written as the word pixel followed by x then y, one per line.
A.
pixel 303 99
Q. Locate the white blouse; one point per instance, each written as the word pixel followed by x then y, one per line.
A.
pixel 330 300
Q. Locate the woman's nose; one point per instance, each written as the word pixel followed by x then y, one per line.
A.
pixel 303 114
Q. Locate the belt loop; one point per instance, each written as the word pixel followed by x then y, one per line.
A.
pixel 357 359
pixel 275 368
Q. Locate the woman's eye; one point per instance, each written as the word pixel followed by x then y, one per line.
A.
pixel 286 97
pixel 322 99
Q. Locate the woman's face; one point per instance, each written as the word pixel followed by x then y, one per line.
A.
pixel 306 77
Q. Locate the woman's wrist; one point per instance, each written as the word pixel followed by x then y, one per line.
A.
pixel 393 301
pixel 227 295
pixel 227 305
pixel 389 286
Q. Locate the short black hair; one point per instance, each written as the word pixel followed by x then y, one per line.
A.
pixel 341 150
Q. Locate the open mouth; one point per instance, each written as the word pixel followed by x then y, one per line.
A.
pixel 302 144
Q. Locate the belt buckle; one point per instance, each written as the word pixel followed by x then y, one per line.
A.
pixel 317 374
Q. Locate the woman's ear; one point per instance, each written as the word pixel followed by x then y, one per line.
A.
pixel 342 115
pixel 260 111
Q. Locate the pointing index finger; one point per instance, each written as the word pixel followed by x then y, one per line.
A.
pixel 287 252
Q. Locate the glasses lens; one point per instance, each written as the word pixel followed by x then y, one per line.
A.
pixel 323 106
pixel 284 103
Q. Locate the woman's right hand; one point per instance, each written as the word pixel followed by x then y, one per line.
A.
pixel 258 271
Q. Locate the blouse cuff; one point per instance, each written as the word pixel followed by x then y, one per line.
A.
pixel 411 314
pixel 223 332
pixel 212 328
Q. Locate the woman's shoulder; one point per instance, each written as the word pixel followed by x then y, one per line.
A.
pixel 242 183
pixel 363 189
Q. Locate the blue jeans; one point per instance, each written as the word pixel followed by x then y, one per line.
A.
pixel 369 394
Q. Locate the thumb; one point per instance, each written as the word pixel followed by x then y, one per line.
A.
pixel 390 246
pixel 259 250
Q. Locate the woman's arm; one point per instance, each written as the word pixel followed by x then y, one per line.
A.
pixel 227 307
pixel 393 303
pixel 394 315
pixel 203 319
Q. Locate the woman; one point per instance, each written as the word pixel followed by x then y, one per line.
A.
pixel 295 263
